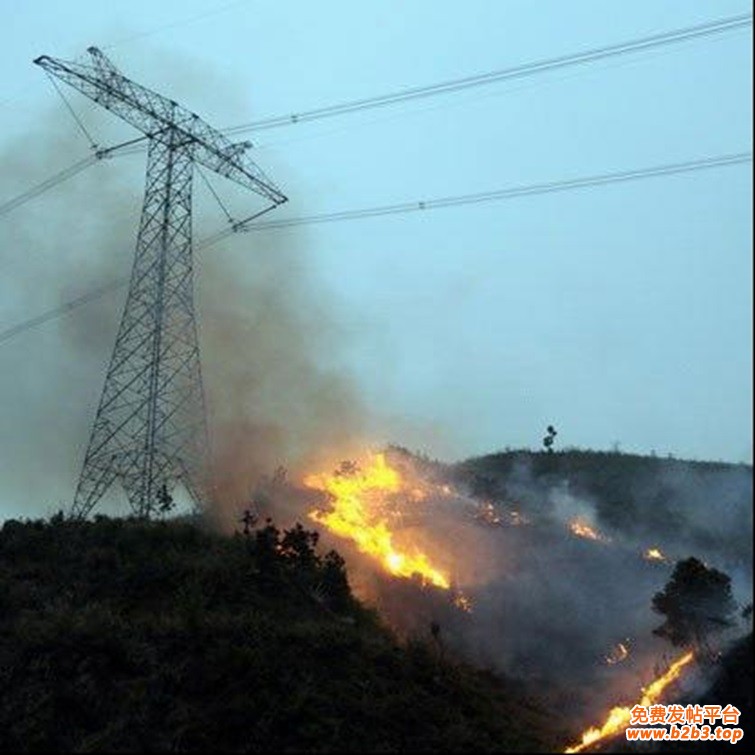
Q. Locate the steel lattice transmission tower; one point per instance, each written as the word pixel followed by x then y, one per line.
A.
pixel 150 431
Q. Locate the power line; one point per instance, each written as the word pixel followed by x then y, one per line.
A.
pixel 75 117
pixel 214 194
pixel 571 184
pixel 53 314
pixel 176 24
pixel 53 180
pixel 527 69
pixel 72 170
pixel 510 193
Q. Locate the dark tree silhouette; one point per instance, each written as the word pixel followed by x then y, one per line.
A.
pixel 249 520
pixel 335 581
pixel 697 602
pixel 164 499
pixel 297 547
pixel 549 438
pixel 266 541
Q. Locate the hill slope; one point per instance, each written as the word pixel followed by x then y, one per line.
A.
pixel 133 635
pixel 706 505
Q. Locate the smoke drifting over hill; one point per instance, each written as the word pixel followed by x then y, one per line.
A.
pixel 546 604
pixel 271 351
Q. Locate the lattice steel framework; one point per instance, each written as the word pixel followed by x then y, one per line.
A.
pixel 150 430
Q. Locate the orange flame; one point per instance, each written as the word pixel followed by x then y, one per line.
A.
pixel 654 554
pixel 619 717
pixel 463 603
pixel 619 653
pixel 581 528
pixel 355 498
pixel 488 514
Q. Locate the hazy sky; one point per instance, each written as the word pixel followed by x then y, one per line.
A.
pixel 621 314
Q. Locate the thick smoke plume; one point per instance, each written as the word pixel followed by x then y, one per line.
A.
pixel 272 350
pixel 277 394
pixel 56 247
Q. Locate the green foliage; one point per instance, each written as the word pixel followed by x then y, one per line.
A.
pixel 131 634
pixel 697 602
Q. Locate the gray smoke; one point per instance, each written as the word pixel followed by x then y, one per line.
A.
pixel 549 607
pixel 54 248
pixel 272 348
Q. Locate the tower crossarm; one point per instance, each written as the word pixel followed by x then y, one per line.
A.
pixel 157 116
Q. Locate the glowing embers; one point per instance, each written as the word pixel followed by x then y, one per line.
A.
pixel 488 514
pixel 582 528
pixel 655 554
pixel 619 717
pixel 359 501
pixel 463 603
pixel 619 653
pixel 491 515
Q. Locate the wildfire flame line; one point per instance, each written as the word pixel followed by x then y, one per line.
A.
pixel 583 529
pixel 654 554
pixel 352 516
pixel 619 717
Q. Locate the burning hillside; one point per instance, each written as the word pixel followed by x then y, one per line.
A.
pixel 619 717
pixel 264 647
pixel 384 512
pixel 361 502
pixel 522 575
pixel 580 528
